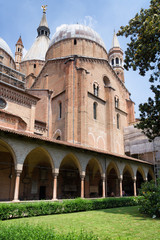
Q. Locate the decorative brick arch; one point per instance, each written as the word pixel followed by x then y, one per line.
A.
pixel 91 139
pixel 101 143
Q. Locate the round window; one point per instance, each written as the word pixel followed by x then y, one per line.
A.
pixel 2 103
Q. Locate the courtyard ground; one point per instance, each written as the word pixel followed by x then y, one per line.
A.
pixel 116 223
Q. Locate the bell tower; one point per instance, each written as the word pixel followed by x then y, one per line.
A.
pixel 116 58
pixel 18 53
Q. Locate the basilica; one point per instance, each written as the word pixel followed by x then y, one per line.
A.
pixel 64 107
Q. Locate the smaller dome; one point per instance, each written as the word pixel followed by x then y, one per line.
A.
pixel 5 47
pixel 38 49
pixel 66 31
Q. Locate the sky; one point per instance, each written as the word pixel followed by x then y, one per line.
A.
pixel 22 17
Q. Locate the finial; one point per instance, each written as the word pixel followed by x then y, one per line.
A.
pixel 44 7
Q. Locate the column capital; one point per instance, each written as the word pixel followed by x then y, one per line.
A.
pixel 103 176
pixel 82 174
pixel 18 172
pixel 55 175
pixel 55 172
pixel 121 177
pixel 134 178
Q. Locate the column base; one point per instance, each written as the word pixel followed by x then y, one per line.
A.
pixel 16 200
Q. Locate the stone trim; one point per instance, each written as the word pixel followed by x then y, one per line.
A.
pixel 17 97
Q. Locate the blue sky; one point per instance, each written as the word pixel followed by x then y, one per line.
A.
pixel 22 17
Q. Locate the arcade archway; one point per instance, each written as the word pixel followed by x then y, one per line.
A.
pixel 36 180
pixel 140 179
pixel 93 180
pixel 112 180
pixel 127 183
pixel 69 182
pixel 7 172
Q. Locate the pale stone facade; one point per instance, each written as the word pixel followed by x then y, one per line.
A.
pixel 62 123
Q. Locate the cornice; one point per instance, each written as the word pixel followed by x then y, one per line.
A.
pixel 19 97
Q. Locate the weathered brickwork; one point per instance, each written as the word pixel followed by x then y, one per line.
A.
pixel 61 124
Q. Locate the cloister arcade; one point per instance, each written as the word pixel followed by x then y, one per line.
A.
pixel 33 169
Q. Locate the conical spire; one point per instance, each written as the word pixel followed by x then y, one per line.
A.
pixel 20 41
pixel 43 29
pixel 115 42
pixel 43 21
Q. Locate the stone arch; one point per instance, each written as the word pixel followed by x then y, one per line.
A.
pixel 141 171
pixel 69 182
pixel 127 183
pixel 93 179
pixel 113 175
pixel 150 175
pixel 140 178
pixel 111 165
pixel 36 181
pixel 8 165
pixel 10 149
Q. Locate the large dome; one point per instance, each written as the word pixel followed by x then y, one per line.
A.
pixel 5 47
pixel 76 31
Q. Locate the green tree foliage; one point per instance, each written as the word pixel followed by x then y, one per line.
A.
pixel 143 51
pixel 150 200
pixel 143 54
pixel 150 115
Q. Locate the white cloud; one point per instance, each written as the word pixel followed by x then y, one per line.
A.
pixel 89 21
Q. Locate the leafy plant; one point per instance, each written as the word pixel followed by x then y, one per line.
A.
pixel 150 200
pixel 19 210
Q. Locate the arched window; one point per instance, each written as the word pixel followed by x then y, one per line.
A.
pixel 118 121
pixel 95 110
pixel 112 61
pixel 60 110
pixel 75 41
pixel 117 61
pixel 116 101
pixel 95 89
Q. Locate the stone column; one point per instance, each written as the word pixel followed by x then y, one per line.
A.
pixel 146 179
pixel 82 184
pixel 120 185
pixel 103 186
pixel 55 175
pixel 106 186
pixel 134 185
pixel 16 190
